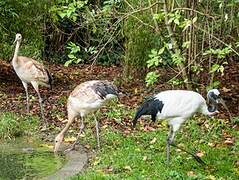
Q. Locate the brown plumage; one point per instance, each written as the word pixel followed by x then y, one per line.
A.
pixel 30 71
pixel 84 99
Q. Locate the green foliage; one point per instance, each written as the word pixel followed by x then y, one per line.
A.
pixel 12 126
pixel 220 53
pixel 175 82
pixel 140 39
pixel 214 84
pixel 25 17
pixel 155 59
pixel 70 10
pixel 74 49
pixel 177 58
pixel 151 78
pixel 91 26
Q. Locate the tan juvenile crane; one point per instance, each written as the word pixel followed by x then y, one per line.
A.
pixel 84 99
pixel 30 71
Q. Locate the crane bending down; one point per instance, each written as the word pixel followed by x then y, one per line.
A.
pixel 84 99
pixel 30 71
pixel 176 106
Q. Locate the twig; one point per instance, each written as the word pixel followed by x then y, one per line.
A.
pixel 198 12
pixel 217 39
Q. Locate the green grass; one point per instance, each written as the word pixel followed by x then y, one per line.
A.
pixel 14 125
pixel 139 156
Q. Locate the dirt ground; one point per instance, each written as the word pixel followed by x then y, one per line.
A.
pixel 12 93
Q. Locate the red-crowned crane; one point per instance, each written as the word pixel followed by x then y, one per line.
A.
pixel 30 71
pixel 176 106
pixel 84 99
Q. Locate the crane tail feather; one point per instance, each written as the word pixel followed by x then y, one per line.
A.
pixel 150 107
pixel 49 78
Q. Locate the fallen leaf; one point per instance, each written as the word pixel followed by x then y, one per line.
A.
pixel 211 144
pixel 46 145
pixel 229 141
pixel 237 163
pixel 153 140
pixel 224 89
pixel 211 177
pixel 191 173
pixel 200 154
pixel 87 146
pixel 145 158
pixel 128 168
pixel 70 139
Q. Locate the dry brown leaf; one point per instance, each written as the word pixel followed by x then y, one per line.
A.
pixel 224 89
pixel 229 141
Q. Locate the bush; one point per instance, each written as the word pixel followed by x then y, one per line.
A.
pixel 25 17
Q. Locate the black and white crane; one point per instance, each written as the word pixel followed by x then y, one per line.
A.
pixel 84 99
pixel 176 106
pixel 30 71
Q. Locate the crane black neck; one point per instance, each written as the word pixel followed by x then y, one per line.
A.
pixel 212 106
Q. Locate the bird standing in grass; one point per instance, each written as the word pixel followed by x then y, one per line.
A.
pixel 176 106
pixel 86 98
pixel 30 71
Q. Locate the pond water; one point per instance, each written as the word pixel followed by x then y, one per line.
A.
pixel 24 159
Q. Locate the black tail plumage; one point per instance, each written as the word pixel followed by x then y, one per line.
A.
pixel 150 107
pixel 49 78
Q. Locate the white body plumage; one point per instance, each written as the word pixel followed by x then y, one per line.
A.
pixel 181 103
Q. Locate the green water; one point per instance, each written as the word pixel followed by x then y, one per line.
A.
pixel 27 161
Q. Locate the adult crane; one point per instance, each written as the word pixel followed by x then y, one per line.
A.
pixel 177 106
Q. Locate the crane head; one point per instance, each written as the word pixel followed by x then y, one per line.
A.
pixel 18 38
pixel 214 96
pixel 58 140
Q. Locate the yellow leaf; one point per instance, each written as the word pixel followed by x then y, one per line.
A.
pixel 153 140
pixel 191 173
pixel 211 177
pixel 70 139
pixel 145 158
pixel 128 168
pixel 46 146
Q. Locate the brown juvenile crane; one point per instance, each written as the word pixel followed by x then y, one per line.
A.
pixel 30 71
pixel 84 99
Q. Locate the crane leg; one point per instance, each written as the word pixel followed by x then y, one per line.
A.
pixel 174 126
pixel 82 126
pixel 26 90
pixel 35 85
pixel 97 132
pixel 170 138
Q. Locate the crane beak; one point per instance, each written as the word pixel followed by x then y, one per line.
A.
pixel 221 101
pixel 14 41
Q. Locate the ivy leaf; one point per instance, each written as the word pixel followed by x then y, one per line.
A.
pixel 67 63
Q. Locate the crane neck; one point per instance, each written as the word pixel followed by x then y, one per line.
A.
pixel 212 106
pixel 14 60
